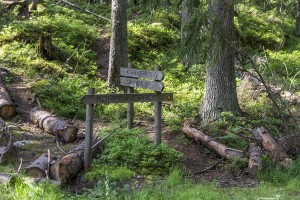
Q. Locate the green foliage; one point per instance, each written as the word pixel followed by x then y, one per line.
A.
pixel 257 28
pixel 147 42
pixel 67 92
pixel 132 148
pixel 109 172
pixel 22 191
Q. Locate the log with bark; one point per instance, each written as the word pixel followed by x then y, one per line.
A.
pixel 71 164
pixel 276 153
pixel 7 107
pixel 40 167
pixel 255 163
pixel 211 143
pixel 53 125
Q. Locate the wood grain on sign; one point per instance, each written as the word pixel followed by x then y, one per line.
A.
pixel 136 83
pixel 125 98
pixel 137 73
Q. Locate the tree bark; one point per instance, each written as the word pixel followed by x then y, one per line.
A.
pixel 39 168
pixel 276 153
pixel 53 125
pixel 298 19
pixel 210 143
pixel 255 163
pixel 220 86
pixel 7 107
pixel 118 54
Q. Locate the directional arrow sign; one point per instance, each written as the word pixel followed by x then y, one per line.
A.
pixel 136 83
pixel 126 98
pixel 137 73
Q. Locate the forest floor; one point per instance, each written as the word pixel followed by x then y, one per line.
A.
pixel 31 142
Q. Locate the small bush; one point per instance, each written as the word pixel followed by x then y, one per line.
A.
pixel 132 148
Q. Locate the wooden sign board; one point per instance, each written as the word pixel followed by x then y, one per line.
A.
pixel 136 83
pixel 137 73
pixel 126 98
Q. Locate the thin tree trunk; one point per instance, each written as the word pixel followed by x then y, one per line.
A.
pixel 298 19
pixel 53 125
pixel 118 54
pixel 220 86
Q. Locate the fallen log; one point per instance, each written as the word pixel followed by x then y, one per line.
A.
pixel 71 164
pixel 276 153
pixel 7 107
pixel 3 139
pixel 8 154
pixel 211 143
pixel 53 125
pixel 40 167
pixel 255 163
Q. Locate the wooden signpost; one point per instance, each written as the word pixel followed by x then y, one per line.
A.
pixel 131 78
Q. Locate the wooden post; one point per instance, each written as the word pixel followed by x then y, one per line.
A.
pixel 130 111
pixel 157 119
pixel 88 132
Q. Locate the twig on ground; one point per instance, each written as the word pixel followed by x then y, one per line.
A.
pixel 211 167
pixel 20 166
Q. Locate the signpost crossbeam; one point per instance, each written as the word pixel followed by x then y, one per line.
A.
pixel 126 98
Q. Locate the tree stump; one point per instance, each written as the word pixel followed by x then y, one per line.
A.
pixel 53 125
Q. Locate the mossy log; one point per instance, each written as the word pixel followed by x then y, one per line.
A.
pixel 53 125
pixel 255 163
pixel 276 153
pixel 40 167
pixel 7 107
pixel 211 143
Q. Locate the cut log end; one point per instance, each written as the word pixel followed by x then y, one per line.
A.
pixel 7 111
pixel 69 134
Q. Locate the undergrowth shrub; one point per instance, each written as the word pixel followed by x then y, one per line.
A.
pixel 132 149
pixel 146 42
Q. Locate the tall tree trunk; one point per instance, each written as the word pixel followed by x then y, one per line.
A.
pixel 298 19
pixel 118 54
pixel 220 86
